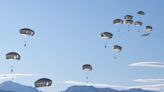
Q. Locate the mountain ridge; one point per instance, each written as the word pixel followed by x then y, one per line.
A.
pixel 10 86
pixel 94 89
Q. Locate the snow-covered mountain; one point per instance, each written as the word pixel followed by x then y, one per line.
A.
pixel 9 86
pixel 93 89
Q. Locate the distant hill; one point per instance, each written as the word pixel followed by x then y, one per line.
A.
pixel 93 89
pixel 5 91
pixel 9 86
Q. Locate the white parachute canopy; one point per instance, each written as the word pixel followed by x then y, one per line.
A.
pixel 128 17
pixel 116 49
pixel 118 22
pixel 106 36
pixel 128 22
pixel 26 32
pixel 87 68
pixel 138 23
pixel 141 13
pixel 13 57
pixel 148 29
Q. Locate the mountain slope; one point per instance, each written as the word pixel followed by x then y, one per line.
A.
pixel 93 89
pixel 9 86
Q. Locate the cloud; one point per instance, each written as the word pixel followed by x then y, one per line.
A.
pixel 148 64
pixel 155 87
pixel 8 77
pixel 150 80
pixel 15 75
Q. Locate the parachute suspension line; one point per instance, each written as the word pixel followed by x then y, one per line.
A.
pixel 141 21
pixel 118 29
pixel 128 28
pixel 11 71
pixel 119 32
pixel 115 55
pixel 140 18
pixel 105 44
pixel 25 43
pixel 87 77
pixel 138 29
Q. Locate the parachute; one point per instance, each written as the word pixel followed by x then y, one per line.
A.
pixel 13 56
pixel 106 36
pixel 128 17
pixel 141 13
pixel 117 49
pixel 43 82
pixel 138 23
pixel 148 29
pixel 87 68
pixel 26 32
pixel 117 22
pixel 129 22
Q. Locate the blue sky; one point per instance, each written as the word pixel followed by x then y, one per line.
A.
pixel 67 36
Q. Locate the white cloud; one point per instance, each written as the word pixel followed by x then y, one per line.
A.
pixel 8 77
pixel 156 87
pixel 150 80
pixel 15 75
pixel 148 64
